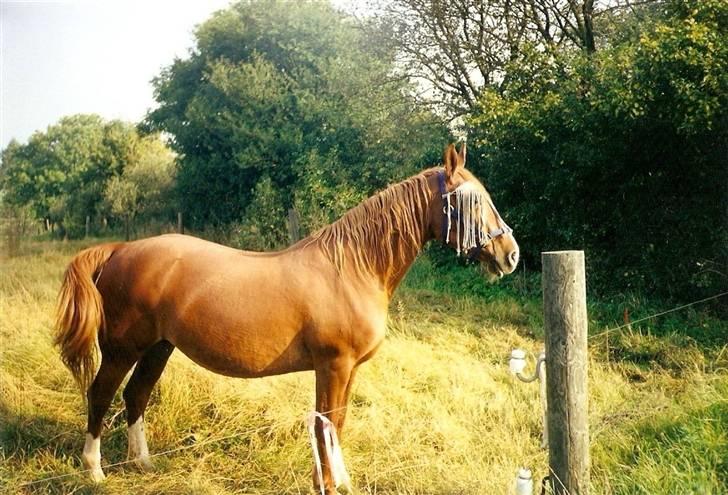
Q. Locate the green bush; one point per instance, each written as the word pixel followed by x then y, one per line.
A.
pixel 621 154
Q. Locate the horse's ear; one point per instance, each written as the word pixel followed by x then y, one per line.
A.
pixel 461 155
pixel 451 161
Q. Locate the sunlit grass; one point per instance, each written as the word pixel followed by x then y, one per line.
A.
pixel 435 412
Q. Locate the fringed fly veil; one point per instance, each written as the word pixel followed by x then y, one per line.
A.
pixel 470 217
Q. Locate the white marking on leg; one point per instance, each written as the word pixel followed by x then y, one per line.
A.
pixel 92 457
pixel 138 450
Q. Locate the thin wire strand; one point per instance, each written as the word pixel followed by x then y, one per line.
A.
pixel 559 480
pixel 610 330
pixel 158 454
pixel 171 451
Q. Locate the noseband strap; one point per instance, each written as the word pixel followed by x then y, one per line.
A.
pixel 451 214
pixel 447 210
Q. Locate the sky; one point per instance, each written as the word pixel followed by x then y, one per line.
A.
pixel 65 57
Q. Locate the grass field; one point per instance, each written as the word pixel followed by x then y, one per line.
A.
pixel 435 412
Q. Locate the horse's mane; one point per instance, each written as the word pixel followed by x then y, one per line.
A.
pixel 387 227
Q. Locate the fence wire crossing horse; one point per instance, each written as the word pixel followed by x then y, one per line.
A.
pixel 319 305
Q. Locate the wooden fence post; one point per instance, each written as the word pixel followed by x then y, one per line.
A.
pixel 565 325
pixel 180 225
pixel 293 226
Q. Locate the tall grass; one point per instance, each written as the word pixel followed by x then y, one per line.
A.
pixel 435 412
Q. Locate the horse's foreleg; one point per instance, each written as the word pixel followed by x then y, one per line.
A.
pixel 100 393
pixel 339 423
pixel 332 380
pixel 136 396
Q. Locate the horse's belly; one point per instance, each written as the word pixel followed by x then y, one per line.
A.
pixel 242 347
pixel 243 359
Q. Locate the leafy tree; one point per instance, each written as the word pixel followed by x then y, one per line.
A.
pixel 123 197
pixel 276 90
pixel 58 171
pixel 145 187
pixel 317 197
pixel 263 228
pixel 62 174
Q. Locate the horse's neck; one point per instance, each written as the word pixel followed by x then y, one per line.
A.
pixel 378 241
pixel 391 270
pixel 401 266
pixel 398 272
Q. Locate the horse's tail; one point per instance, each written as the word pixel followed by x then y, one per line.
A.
pixel 80 313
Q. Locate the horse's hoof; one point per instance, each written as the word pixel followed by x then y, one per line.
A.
pixel 97 475
pixel 144 463
pixel 327 491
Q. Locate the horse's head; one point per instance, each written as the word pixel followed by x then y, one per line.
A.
pixel 464 217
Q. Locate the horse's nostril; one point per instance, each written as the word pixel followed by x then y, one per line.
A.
pixel 513 258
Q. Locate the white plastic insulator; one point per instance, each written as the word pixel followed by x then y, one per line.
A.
pixel 518 361
pixel 524 482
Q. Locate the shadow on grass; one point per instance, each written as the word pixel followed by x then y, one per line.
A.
pixel 24 436
pixel 35 447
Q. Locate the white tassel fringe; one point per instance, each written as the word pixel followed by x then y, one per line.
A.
pixel 471 214
pixel 333 452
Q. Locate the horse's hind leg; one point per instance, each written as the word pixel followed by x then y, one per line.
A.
pixel 114 367
pixel 136 396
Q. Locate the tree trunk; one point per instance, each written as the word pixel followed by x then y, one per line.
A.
pixel 588 12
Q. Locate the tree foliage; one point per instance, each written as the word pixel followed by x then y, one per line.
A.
pixel 291 97
pixel 66 172
pixel 146 185
pixel 622 153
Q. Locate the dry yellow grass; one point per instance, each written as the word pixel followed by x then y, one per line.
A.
pixel 435 412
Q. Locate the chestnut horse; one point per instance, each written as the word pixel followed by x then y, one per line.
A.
pixel 319 305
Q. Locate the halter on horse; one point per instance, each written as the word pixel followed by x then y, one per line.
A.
pixel 469 200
